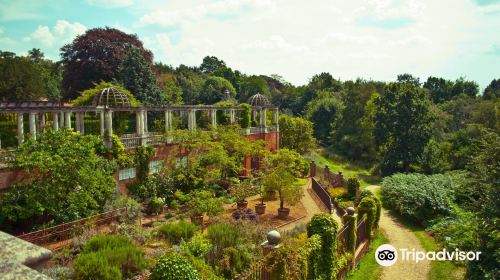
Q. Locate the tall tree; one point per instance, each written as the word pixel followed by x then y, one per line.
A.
pixel 136 76
pixel 325 113
pixel 96 56
pixel 409 79
pixel 466 87
pixel 296 134
pixel 492 90
pixel 440 90
pixel 211 64
pixel 214 90
pixel 21 80
pixel 403 125
pixel 191 81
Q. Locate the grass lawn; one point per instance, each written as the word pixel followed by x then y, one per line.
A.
pixel 323 158
pixel 368 268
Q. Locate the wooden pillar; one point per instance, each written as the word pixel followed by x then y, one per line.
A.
pixel 32 124
pixel 55 121
pixel 20 128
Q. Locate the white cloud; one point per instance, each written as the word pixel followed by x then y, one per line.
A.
pixel 110 3
pixel 62 32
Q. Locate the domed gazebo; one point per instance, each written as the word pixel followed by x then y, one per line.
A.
pixel 111 97
pixel 259 100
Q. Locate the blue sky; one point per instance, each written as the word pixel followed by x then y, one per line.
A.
pixel 373 39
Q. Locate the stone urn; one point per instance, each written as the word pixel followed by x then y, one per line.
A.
pixel 260 208
pixel 283 213
pixel 241 204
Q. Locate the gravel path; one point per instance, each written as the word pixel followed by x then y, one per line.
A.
pixel 401 237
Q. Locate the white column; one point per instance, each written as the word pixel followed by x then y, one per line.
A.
pixel 67 120
pixel 168 120
pixel 192 119
pixel 79 122
pixel 61 119
pixel 109 125
pixel 138 123
pixel 145 121
pixel 41 122
pixel 20 127
pixel 55 121
pixel 263 117
pixel 82 122
pixel 275 116
pixel 101 123
pixel 213 116
pixel 32 122
pixel 232 116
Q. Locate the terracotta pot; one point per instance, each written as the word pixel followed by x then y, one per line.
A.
pixel 197 220
pixel 241 204
pixel 283 213
pixel 260 208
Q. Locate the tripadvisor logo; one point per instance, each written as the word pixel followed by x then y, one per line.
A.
pixel 387 255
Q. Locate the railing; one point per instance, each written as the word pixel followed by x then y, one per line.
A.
pixel 361 232
pixel 257 271
pixel 342 240
pixel 63 231
pixel 322 194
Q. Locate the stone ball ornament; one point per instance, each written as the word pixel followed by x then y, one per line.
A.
pixel 350 211
pixel 273 237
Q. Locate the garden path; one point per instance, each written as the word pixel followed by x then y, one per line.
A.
pixel 401 237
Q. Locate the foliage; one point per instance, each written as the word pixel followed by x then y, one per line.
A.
pixel 87 96
pixel 58 272
pixel 492 91
pixel 245 115
pixel 368 207
pixel 296 134
pixel 325 113
pixel 214 90
pixel 176 232
pixel 223 235
pixel 418 197
pixel 200 202
pixel 433 158
pixel 351 223
pixel 246 214
pixel 96 56
pixel 64 180
pixel 352 186
pixel 137 76
pixel 321 266
pixel 337 193
pixel 143 155
pixel 402 126
pixel 118 201
pixel 198 246
pixel 155 205
pixel 282 181
pixel 459 230
pixel 234 260
pixel 108 257
pixel 289 160
pixel 242 190
pixel 173 266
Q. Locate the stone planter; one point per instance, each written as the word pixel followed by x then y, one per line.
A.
pixel 283 213
pixel 197 220
pixel 260 208
pixel 241 204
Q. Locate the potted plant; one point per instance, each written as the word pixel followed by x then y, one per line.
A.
pixel 201 202
pixel 283 182
pixel 260 208
pixel 241 192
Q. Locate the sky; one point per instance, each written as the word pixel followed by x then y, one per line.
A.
pixel 371 39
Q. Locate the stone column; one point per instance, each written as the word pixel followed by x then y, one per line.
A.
pixel 32 123
pixel 145 121
pixel 82 122
pixel 232 116
pixel 213 117
pixel 55 121
pixel 79 122
pixel 168 120
pixel 20 128
pixel 276 116
pixel 263 117
pixel 192 119
pixel 41 122
pixel 67 120
pixel 101 123
pixel 138 123
pixel 109 128
pixel 61 119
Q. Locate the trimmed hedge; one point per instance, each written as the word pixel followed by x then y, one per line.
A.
pixel 368 207
pixel 418 197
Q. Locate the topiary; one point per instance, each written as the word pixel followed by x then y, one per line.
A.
pixel 321 265
pixel 368 207
pixel 173 266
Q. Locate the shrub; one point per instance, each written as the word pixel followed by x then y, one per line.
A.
pixel 223 235
pixel 418 197
pixel 202 201
pixel 321 265
pixel 175 232
pixel 245 115
pixel 94 266
pixel 155 205
pixel 365 193
pixel 108 257
pixel 457 231
pixel 353 186
pixel 58 272
pixel 173 266
pixel 350 221
pixel 198 246
pixel 134 208
pixel 345 203
pixel 234 260
pixel 368 207
pixel 205 270
pixel 246 214
pixel 337 192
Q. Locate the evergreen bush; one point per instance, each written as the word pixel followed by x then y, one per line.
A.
pixel 175 232
pixel 94 266
pixel 173 266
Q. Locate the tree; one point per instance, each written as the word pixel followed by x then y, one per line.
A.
pixel 409 79
pixel 95 56
pixel 469 88
pixel 440 90
pixel 325 113
pixel 137 76
pixel 249 86
pixel 433 159
pixel 283 181
pixel 214 90
pixel 402 126
pixel 171 90
pixel 64 180
pixel 492 90
pixel 296 134
pixel 36 55
pixel 21 80
pixel 191 82
pixel 211 64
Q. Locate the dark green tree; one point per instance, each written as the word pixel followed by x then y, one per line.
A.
pixel 211 64
pixel 191 82
pixel 492 90
pixel 469 88
pixel 214 90
pixel 21 80
pixel 440 90
pixel 325 113
pixel 296 134
pixel 409 79
pixel 136 76
pixel 403 126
